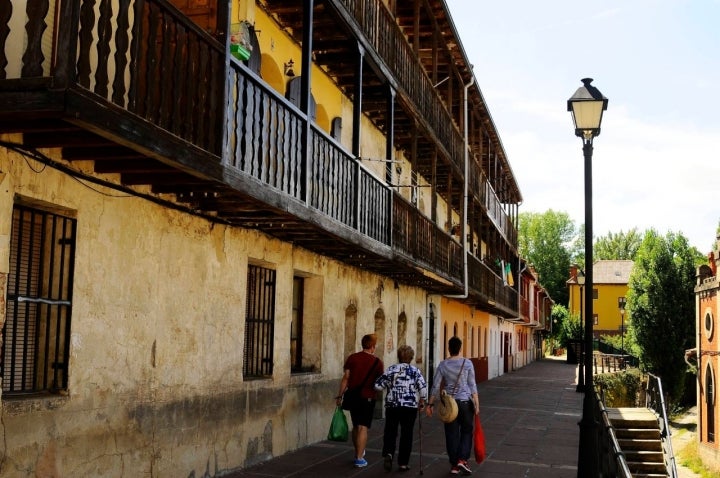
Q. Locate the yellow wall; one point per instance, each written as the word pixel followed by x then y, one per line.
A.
pixel 605 306
pixel 467 323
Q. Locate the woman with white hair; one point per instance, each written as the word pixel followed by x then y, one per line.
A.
pixel 406 392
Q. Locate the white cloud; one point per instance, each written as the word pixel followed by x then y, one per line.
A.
pixel 655 164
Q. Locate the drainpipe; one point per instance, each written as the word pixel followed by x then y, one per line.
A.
pixel 465 194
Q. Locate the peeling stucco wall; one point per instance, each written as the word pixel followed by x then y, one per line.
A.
pixel 155 375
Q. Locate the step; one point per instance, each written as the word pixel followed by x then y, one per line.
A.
pixel 652 444
pixel 637 433
pixel 643 467
pixel 632 418
pixel 644 456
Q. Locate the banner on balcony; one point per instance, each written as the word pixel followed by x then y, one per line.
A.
pixel 509 276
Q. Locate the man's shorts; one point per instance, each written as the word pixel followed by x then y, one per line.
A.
pixel 363 413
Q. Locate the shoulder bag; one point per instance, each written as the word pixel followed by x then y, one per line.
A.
pixel 448 409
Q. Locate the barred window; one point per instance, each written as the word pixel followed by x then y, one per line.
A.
pixel 259 322
pixel 36 333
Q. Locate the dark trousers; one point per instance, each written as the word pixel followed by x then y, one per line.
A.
pixel 404 417
pixel 459 433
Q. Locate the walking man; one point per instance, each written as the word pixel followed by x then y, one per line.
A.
pixel 361 370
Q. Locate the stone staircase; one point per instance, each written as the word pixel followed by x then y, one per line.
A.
pixel 638 433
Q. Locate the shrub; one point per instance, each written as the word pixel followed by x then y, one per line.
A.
pixel 621 389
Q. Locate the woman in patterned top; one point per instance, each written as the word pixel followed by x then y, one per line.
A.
pixel 406 391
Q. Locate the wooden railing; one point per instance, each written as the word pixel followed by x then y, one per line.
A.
pixel 265 139
pixel 416 236
pixel 149 60
pixel 381 30
pixel 489 285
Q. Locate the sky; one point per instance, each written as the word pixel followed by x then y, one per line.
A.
pixel 656 162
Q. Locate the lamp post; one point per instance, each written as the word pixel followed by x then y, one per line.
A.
pixel 581 369
pixel 587 106
pixel 621 306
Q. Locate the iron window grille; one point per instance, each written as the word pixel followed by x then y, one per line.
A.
pixel 259 322
pixel 36 333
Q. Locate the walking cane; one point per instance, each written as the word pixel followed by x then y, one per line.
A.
pixel 420 414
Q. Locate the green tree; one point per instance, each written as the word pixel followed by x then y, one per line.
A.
pixel 661 306
pixel 559 317
pixel 545 240
pixel 617 246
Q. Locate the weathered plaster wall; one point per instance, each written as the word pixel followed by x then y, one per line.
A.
pixel 156 386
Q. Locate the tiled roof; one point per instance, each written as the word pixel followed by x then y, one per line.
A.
pixel 612 272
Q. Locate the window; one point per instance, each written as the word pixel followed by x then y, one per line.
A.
pixel 259 322
pixel 296 326
pixel 36 333
pixel 306 324
pixel 710 402
pixel 708 323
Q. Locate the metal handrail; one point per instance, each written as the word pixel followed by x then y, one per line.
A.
pixel 618 467
pixel 655 401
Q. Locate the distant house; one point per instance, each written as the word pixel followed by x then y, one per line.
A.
pixel 707 352
pixel 610 286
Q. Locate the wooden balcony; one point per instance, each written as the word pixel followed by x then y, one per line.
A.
pixel 157 104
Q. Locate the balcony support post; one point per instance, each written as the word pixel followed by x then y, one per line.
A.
pixel 305 98
pixel 390 134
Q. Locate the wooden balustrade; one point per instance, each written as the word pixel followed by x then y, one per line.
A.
pixel 151 61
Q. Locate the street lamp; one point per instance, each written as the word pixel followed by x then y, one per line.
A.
pixel 580 278
pixel 621 306
pixel 587 106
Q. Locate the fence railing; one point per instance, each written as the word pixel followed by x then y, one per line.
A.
pixel 612 460
pixel 655 401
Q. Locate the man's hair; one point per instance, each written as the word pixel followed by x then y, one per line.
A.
pixel 454 345
pixel 405 354
pixel 368 341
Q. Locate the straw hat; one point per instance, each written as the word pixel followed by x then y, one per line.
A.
pixel 447 408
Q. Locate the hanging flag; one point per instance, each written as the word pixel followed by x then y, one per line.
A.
pixel 509 276
pixel 503 272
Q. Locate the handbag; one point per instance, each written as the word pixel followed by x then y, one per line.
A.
pixel 338 426
pixel 479 441
pixel 448 409
pixel 353 396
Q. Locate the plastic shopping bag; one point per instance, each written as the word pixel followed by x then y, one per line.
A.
pixel 479 441
pixel 338 426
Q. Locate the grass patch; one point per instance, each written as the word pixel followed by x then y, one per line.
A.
pixel 689 457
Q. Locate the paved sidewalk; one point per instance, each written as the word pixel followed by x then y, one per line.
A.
pixel 530 418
